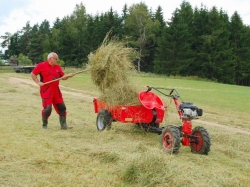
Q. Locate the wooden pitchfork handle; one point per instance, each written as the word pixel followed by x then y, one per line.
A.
pixel 64 76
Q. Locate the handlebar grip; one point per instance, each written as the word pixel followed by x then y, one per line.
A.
pixel 149 88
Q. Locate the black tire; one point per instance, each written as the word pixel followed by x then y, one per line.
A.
pixel 170 139
pixel 27 71
pixel 202 145
pixel 103 120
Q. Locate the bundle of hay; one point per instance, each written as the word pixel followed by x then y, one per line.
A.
pixel 109 67
pixel 120 94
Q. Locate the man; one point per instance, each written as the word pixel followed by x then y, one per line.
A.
pixel 50 93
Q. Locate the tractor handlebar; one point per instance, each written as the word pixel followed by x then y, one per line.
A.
pixel 173 92
pixel 149 89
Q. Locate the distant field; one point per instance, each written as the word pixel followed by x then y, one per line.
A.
pixel 5 69
pixel 125 156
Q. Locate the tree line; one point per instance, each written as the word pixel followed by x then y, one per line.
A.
pixel 200 42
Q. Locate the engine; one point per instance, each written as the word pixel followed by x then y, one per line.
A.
pixel 190 111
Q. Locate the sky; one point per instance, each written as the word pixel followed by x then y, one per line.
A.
pixel 14 14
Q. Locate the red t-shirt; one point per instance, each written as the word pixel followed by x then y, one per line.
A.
pixel 48 73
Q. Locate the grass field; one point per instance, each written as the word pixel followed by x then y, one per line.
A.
pixel 125 156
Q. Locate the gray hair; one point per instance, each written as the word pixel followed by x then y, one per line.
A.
pixel 50 55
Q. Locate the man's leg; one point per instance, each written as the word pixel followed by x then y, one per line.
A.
pixel 61 111
pixel 47 108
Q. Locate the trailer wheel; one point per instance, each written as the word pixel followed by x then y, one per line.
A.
pixel 103 120
pixel 170 139
pixel 203 143
pixel 27 71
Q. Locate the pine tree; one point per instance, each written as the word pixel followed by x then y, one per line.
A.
pixel 240 43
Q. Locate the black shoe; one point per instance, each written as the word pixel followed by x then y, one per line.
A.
pixel 45 127
pixel 65 128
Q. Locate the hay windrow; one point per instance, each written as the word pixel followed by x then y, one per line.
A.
pixel 109 68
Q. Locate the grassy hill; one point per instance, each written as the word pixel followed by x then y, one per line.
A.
pixel 126 155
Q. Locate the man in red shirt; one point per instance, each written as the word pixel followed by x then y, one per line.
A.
pixel 51 93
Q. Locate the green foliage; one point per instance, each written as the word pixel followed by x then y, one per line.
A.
pixel 45 56
pixel 239 41
pixel 35 47
pixel 61 62
pixel 24 60
pixel 24 39
pixel 174 53
pixel 6 39
pixel 194 42
pixel 142 29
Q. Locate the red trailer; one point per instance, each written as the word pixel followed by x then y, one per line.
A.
pixel 150 114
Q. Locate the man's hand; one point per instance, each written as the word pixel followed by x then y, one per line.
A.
pixel 40 83
pixel 65 77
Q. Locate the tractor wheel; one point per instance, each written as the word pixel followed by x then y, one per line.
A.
pixel 170 139
pixel 201 145
pixel 103 120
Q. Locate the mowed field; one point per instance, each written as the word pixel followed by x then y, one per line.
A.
pixel 125 156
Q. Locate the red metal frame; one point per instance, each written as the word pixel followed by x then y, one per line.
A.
pixel 130 114
pixel 186 124
pixel 143 113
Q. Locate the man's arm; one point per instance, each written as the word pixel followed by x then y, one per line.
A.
pixel 34 77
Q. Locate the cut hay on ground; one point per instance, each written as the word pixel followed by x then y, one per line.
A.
pixel 109 66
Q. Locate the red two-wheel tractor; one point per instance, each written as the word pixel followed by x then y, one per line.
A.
pixel 150 114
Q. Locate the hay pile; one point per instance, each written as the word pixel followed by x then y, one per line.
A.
pixel 109 66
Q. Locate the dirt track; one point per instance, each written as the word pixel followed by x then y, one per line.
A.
pixel 24 83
